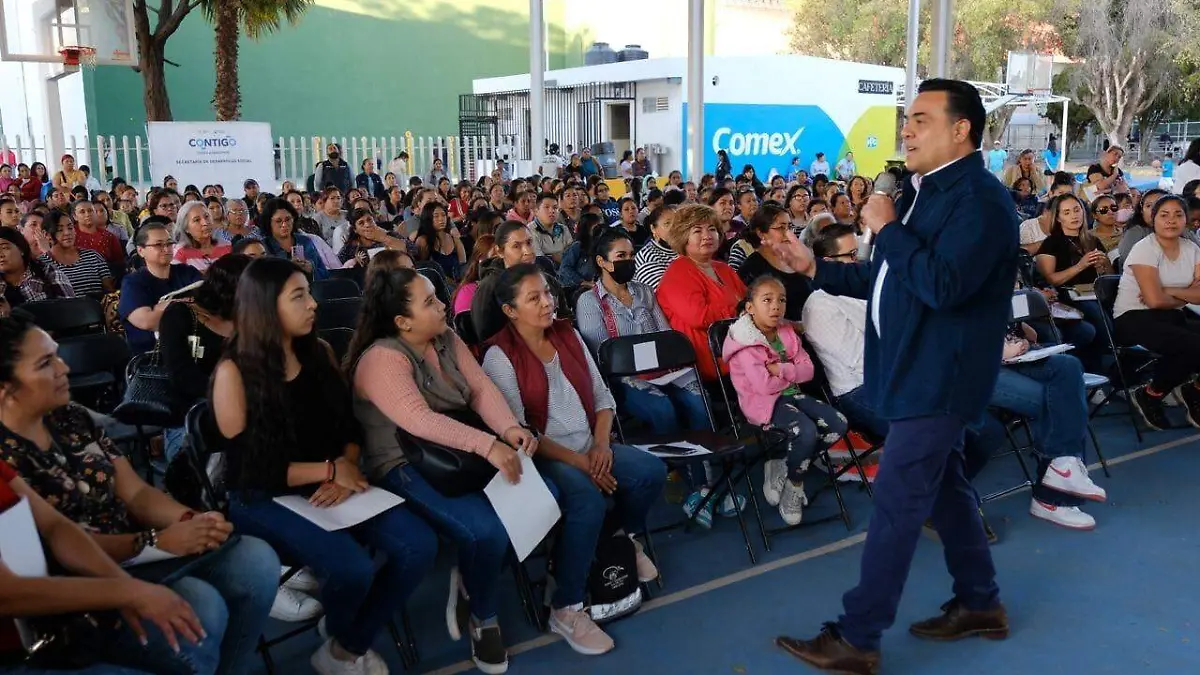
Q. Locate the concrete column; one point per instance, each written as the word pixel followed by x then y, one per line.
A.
pixel 942 38
pixel 537 83
pixel 695 90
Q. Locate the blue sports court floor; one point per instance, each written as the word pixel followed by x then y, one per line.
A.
pixel 1119 600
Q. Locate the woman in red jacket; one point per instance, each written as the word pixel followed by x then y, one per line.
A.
pixel 697 290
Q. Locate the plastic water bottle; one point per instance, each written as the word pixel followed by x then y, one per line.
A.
pixel 675 490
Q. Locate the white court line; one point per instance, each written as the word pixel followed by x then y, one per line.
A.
pixel 764 568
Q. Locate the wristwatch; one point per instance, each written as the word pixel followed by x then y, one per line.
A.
pixel 143 539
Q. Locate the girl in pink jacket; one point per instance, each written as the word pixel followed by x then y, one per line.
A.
pixel 766 363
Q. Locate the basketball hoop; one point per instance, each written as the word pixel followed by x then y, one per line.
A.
pixel 74 56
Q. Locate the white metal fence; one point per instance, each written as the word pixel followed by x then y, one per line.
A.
pixel 463 157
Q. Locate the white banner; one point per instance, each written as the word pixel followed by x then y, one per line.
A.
pixel 210 153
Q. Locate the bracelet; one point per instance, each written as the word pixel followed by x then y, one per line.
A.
pixel 331 474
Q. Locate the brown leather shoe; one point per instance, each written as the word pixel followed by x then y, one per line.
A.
pixel 829 652
pixel 956 623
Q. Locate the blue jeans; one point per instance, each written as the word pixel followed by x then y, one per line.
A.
pixel 810 425
pixel 920 476
pixel 661 407
pixel 471 522
pixel 1050 393
pixel 640 479
pixel 359 601
pixel 172 442
pixel 861 414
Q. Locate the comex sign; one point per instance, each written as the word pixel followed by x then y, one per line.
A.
pixel 738 144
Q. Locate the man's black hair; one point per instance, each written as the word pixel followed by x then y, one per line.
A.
pixel 962 103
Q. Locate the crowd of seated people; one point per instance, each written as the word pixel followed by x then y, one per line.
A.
pixel 548 269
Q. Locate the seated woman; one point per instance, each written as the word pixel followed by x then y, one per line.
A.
pixel 544 371
pixel 1105 226
pixel 629 221
pixel 1159 280
pixel 195 244
pixel 769 226
pixel 308 445
pixel 439 241
pixel 55 446
pixel 1051 395
pixel 618 306
pixel 578 268
pixel 97 583
pixel 410 370
pixel 766 362
pixel 1071 256
pixel 283 241
pixel 23 278
pixel 86 269
pixel 191 336
pixel 651 261
pixel 365 237
pixel 142 305
pixel 1025 200
pixel 484 246
pixel 696 290
pixel 514 246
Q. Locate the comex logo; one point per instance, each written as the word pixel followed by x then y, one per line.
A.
pixel 212 142
pixel 778 143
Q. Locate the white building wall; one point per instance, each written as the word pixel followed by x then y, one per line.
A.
pixel 661 127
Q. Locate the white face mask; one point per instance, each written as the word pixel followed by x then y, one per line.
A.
pixel 1124 215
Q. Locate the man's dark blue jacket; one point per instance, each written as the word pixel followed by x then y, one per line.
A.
pixel 946 297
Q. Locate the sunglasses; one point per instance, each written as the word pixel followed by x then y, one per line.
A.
pixel 1104 210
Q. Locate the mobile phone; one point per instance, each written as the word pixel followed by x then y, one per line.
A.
pixel 670 450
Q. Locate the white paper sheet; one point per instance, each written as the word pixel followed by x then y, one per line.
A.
pixel 1020 306
pixel 669 377
pixel 21 551
pixel 645 356
pixel 358 508
pixel 1195 309
pixel 1039 354
pixel 527 510
pixel 1082 297
pixel 148 555
pixel 20 545
pixel 689 449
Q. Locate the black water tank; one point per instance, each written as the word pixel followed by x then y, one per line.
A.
pixel 633 53
pixel 599 53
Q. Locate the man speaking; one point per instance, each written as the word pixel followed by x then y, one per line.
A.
pixel 939 287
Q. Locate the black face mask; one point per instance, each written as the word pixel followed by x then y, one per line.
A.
pixel 335 155
pixel 622 271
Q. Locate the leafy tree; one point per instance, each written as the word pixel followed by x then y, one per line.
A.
pixel 230 18
pixel 152 48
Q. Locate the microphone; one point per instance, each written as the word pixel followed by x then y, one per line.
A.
pixel 885 184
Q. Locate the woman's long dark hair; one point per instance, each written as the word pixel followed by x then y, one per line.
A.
pixel 586 228
pixel 219 290
pixel 1193 152
pixel 256 348
pixel 355 215
pixel 760 223
pixel 35 266
pixel 386 297
pixel 1137 218
pixel 1087 242
pixel 52 224
pixel 427 231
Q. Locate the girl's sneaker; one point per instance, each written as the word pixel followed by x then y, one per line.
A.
pixel 774 476
pixel 792 503
pixel 705 517
pixel 727 509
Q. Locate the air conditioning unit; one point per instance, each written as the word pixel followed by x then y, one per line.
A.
pixel 657 149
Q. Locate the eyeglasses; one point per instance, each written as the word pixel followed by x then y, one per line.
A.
pixel 162 245
pixel 852 255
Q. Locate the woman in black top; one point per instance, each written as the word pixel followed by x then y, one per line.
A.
pixel 770 225
pixel 285 413
pixel 191 336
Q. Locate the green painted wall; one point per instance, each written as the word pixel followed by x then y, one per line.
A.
pixel 365 67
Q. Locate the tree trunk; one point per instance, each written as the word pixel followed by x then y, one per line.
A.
pixel 151 53
pixel 997 124
pixel 227 95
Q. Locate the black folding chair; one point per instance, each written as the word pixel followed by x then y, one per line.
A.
pixel 67 317
pixel 338 338
pixel 1031 305
pixel 773 441
pixel 356 274
pixel 341 313
pixel 466 328
pixel 200 458
pixel 97 363
pixel 334 289
pixel 626 356
pixel 434 273
pixel 1133 359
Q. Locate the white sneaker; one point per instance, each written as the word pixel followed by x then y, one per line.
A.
pixel 647 571
pixel 304 581
pixel 774 476
pixel 580 632
pixel 1069 517
pixel 294 606
pixel 1069 475
pixel 323 662
pixel 792 503
pixel 374 662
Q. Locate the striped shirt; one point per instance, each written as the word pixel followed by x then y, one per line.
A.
pixel 567 422
pixel 88 273
pixel 651 262
pixel 645 316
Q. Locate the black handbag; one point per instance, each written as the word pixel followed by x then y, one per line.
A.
pixel 148 382
pixel 70 641
pixel 450 471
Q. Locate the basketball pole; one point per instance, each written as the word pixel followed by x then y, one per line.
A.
pixel 695 89
pixel 1062 156
pixel 537 84
pixel 913 44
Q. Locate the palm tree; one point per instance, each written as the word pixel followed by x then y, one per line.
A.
pixel 230 18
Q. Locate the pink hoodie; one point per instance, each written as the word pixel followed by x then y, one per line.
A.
pixel 748 352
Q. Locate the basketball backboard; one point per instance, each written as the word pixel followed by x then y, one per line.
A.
pixel 1029 73
pixel 36 30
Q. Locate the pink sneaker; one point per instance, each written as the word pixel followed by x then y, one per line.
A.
pixel 578 629
pixel 646 569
